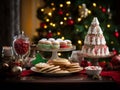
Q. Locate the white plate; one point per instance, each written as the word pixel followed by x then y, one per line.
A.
pixel 53 74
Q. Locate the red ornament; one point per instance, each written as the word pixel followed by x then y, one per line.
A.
pixel 60 12
pixel 49 35
pixel 114 52
pixel 85 63
pixel 42 25
pixel 70 22
pixel 102 64
pixel 116 62
pixel 116 34
pixel 104 10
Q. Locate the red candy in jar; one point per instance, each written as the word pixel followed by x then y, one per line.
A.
pixel 21 44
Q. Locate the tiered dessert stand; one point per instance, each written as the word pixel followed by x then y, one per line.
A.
pixel 96 58
pixel 55 51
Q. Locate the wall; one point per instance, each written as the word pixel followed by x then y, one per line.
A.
pixel 29 21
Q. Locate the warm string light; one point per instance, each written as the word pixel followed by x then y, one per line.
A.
pixel 112 42
pixel 68 2
pixel 77 30
pixel 53 8
pixel 59 54
pixel 61 23
pixel 94 5
pixel 62 38
pixel 89 12
pixel 67 14
pixel 42 10
pixel 61 5
pixel 86 26
pixel 52 4
pixel 79 19
pixel 108 25
pixel 79 42
pixel 49 14
pixel 47 20
pixel 66 18
pixel 58 33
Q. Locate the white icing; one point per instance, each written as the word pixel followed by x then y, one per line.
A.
pixel 95 41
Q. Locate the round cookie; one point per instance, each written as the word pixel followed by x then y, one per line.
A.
pixel 61 61
pixel 45 68
pixel 51 69
pixel 41 65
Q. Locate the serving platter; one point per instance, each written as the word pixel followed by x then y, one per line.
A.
pixel 34 69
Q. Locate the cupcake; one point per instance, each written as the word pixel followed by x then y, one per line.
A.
pixel 47 45
pixel 69 43
pixel 41 43
pixel 63 44
pixel 55 45
pixel 44 39
pixel 51 39
pixel 59 40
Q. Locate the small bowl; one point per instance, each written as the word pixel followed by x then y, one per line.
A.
pixel 93 70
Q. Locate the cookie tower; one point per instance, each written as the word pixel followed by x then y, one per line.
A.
pixel 94 43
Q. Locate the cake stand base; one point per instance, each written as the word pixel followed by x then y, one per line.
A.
pixel 96 58
pixel 54 55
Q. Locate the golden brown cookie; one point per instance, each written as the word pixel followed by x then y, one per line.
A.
pixel 45 68
pixel 41 65
pixel 51 69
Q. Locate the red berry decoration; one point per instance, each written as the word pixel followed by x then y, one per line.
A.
pixel 102 64
pixel 116 62
pixel 85 63
pixel 49 35
pixel 116 34
pixel 60 12
pixel 103 9
pixel 21 46
pixel 70 22
pixel 114 52
pixel 42 25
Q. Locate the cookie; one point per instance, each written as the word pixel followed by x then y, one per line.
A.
pixel 55 70
pixel 61 61
pixel 41 65
pixel 45 68
pixel 51 69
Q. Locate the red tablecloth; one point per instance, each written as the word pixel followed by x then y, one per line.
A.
pixel 114 74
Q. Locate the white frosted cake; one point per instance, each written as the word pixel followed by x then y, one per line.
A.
pixel 94 43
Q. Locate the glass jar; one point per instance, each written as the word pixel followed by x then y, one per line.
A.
pixel 21 47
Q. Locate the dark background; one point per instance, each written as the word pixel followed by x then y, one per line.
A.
pixel 10 19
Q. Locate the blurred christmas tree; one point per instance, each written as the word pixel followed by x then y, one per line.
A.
pixel 70 19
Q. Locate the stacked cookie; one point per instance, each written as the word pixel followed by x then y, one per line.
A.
pixel 48 68
pixel 60 65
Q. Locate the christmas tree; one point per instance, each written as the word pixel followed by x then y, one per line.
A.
pixel 70 19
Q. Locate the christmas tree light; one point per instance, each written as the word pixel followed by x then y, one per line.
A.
pixel 71 19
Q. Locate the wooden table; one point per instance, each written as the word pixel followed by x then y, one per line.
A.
pixel 74 81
